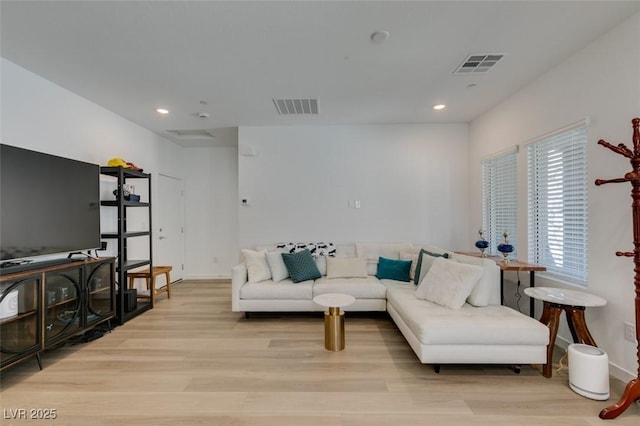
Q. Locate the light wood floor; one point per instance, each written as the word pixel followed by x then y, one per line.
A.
pixel 191 361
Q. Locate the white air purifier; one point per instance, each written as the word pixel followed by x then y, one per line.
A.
pixel 589 371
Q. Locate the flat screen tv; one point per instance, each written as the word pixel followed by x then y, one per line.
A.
pixel 48 204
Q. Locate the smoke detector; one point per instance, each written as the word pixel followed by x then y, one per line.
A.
pixel 379 36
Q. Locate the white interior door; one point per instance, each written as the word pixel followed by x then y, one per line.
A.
pixel 170 227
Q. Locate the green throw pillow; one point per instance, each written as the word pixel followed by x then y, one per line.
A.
pixel 393 269
pixel 301 266
pixel 419 274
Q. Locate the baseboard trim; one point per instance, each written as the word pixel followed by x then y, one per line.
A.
pixel 208 277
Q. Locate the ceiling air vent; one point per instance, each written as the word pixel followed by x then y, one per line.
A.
pixel 296 106
pixel 478 63
pixel 191 134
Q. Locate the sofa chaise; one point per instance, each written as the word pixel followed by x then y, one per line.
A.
pixel 478 330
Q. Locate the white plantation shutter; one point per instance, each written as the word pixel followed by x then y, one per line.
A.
pixel 499 200
pixel 557 169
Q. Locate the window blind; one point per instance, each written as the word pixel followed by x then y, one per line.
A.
pixel 557 202
pixel 499 200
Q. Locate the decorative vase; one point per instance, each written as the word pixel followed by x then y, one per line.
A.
pixel 482 244
pixel 505 248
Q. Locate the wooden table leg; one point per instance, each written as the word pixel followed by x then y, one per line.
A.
pixel 578 325
pixel 550 318
pixel 544 318
pixel 168 283
pixel 151 285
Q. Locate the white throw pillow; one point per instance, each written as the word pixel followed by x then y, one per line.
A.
pixel 487 285
pixel 413 257
pixel 277 267
pixel 257 266
pixel 321 263
pixel 345 267
pixel 448 283
pixel 372 251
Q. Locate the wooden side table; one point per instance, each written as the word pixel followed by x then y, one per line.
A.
pixel 518 266
pixel 150 279
pixel 573 303
pixel 513 265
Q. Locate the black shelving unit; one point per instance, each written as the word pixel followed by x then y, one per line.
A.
pixel 124 264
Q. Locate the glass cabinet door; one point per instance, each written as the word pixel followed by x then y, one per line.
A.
pixel 62 304
pixel 19 319
pixel 101 300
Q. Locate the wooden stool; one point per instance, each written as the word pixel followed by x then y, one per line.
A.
pixel 151 280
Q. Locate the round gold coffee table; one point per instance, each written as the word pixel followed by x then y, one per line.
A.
pixel 334 318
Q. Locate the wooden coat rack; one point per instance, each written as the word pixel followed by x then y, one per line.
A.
pixel 632 391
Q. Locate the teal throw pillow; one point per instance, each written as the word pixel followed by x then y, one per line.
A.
pixel 393 269
pixel 301 266
pixel 419 274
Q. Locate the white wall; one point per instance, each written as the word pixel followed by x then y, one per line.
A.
pixel 39 115
pixel 211 220
pixel 601 82
pixel 411 181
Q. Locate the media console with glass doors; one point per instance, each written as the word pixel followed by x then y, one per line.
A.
pixel 44 306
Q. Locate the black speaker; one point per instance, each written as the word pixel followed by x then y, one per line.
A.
pixel 130 300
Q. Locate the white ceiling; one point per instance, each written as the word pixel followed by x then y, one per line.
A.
pixel 133 56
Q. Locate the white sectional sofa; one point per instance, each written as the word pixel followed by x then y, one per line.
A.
pixel 481 331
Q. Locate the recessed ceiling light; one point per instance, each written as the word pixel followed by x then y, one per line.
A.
pixel 379 36
pixel 162 111
pixel 439 106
